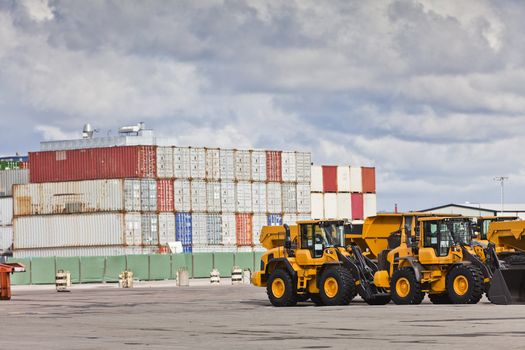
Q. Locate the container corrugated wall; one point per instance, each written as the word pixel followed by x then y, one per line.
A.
pixel 244 229
pixel 229 230
pixel 289 198
pixel 8 178
pixel 183 230
pixel 228 197
pixel 369 179
pixel 166 228
pixel 303 198
pixel 6 211
pixel 199 230
pixel 258 221
pixel 369 204
pixel 303 166
pixel 6 238
pixel 198 196
pixel 165 162
pixel 356 182
pixel 165 196
pixel 343 178
pixel 243 165
pixel 344 205
pixel 357 206
pixel 273 166
pixel 317 178
pixel 148 195
pixel 197 163
pixel 329 178
pixel 243 197
pixel 259 197
pixel 258 166
pixel 213 169
pixel 227 164
pixel 213 197
pixel 150 229
pixel 182 195
pixel 330 205
pixel 273 198
pixel 133 229
pixel 181 163
pixel 317 206
pixel 288 167
pixel 214 229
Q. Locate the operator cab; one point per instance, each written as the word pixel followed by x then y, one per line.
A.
pixel 443 233
pixel 319 235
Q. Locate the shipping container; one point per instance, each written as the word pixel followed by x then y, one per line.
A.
pixel 165 162
pixel 8 178
pixel 181 162
pixel 198 196
pixel 303 198
pixel 273 166
pixel 213 197
pixel 303 217
pixel 229 230
pixel 369 205
pixel 6 238
pixel 290 219
pixel 166 228
pixel 199 229
pixel 288 167
pixel 165 196
pixel 343 179
pixel 182 195
pixel 197 163
pixel 187 249
pixel 243 197
pixel 273 198
pixel 150 229
pixel 357 206
pixel 356 183
pixel 148 193
pixel 228 197
pixel 275 220
pixel 83 251
pixel 259 221
pixel 330 205
pixel 183 228
pixel 303 166
pixel 344 206
pixel 213 169
pixel 329 178
pixel 132 196
pixel 6 211
pixel 369 179
pixel 258 165
pixel 243 165
pixel 259 197
pixel 317 178
pixel 244 229
pixel 227 164
pixel 93 163
pixel 289 198
pixel 214 229
pixel 317 206
pixel 132 229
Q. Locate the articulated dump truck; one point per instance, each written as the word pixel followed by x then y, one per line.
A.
pixel 393 256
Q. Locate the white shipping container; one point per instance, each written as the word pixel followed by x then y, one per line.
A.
pixel 148 195
pixel 356 182
pixel 273 198
pixel 181 162
pixel 343 179
pixel 182 195
pixel 228 197
pixel 6 211
pixel 132 229
pixel 73 230
pixel 344 206
pixel 150 229
pixel 198 195
pixel 289 198
pixel 243 197
pixel 227 164
pixel 288 167
pixel 83 251
pixel 213 197
pixel 259 197
pixel 213 169
pixel 214 229
pixel 317 178
pixel 197 163
pixel 258 165
pixel 132 197
pixel 165 162
pixel 228 230
pixel 8 178
pixel 303 198
pixel 317 206
pixel 199 229
pixel 166 228
pixel 290 219
pixel 330 205
pixel 259 220
pixel 243 165
pixel 303 217
pixel 6 237
pixel 303 166
pixel 369 204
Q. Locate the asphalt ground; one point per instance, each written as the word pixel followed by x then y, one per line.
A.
pixel 159 315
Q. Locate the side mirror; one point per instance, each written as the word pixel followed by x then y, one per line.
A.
pixel 287 238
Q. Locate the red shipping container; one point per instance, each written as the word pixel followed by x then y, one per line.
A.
pixel 368 176
pixel 329 178
pixel 93 163
pixel 357 206
pixel 165 200
pixel 273 166
pixel 244 229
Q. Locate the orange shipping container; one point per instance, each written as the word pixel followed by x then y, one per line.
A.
pixel 369 179
pixel 244 229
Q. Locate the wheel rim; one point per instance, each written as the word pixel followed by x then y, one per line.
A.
pixel 402 287
pixel 460 285
pixel 331 287
pixel 278 288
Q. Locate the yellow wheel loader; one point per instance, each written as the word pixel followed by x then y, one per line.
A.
pixel 309 260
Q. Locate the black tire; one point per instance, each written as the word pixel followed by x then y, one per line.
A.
pixel 442 298
pixel 302 297
pixel 406 277
pixel 316 299
pixel 343 283
pixel 378 300
pixel 288 297
pixel 460 292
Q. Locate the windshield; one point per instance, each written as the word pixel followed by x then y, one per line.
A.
pixel 334 235
pixel 456 232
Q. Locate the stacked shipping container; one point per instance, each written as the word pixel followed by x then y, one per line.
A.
pixel 343 192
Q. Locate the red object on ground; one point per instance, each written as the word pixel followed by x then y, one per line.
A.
pixel 244 229
pixel 273 166
pixel 329 178
pixel 368 176
pixel 357 206
pixel 165 200
pixel 5 281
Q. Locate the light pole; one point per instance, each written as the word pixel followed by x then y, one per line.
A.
pixel 501 180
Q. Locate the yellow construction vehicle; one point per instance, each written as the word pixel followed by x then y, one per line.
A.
pixel 309 260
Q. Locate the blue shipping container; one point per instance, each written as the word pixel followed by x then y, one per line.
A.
pixel 186 249
pixel 275 219
pixel 183 228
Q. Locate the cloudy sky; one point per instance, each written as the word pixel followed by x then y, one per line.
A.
pixel 432 93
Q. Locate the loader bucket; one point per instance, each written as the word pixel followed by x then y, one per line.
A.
pixel 507 286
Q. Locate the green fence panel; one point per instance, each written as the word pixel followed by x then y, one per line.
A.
pixel 139 265
pixel 257 260
pixel 114 266
pixel 20 278
pixel 202 264
pixel 71 264
pixel 244 260
pixel 92 268
pixel 159 267
pixel 224 263
pixel 180 260
pixel 43 270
